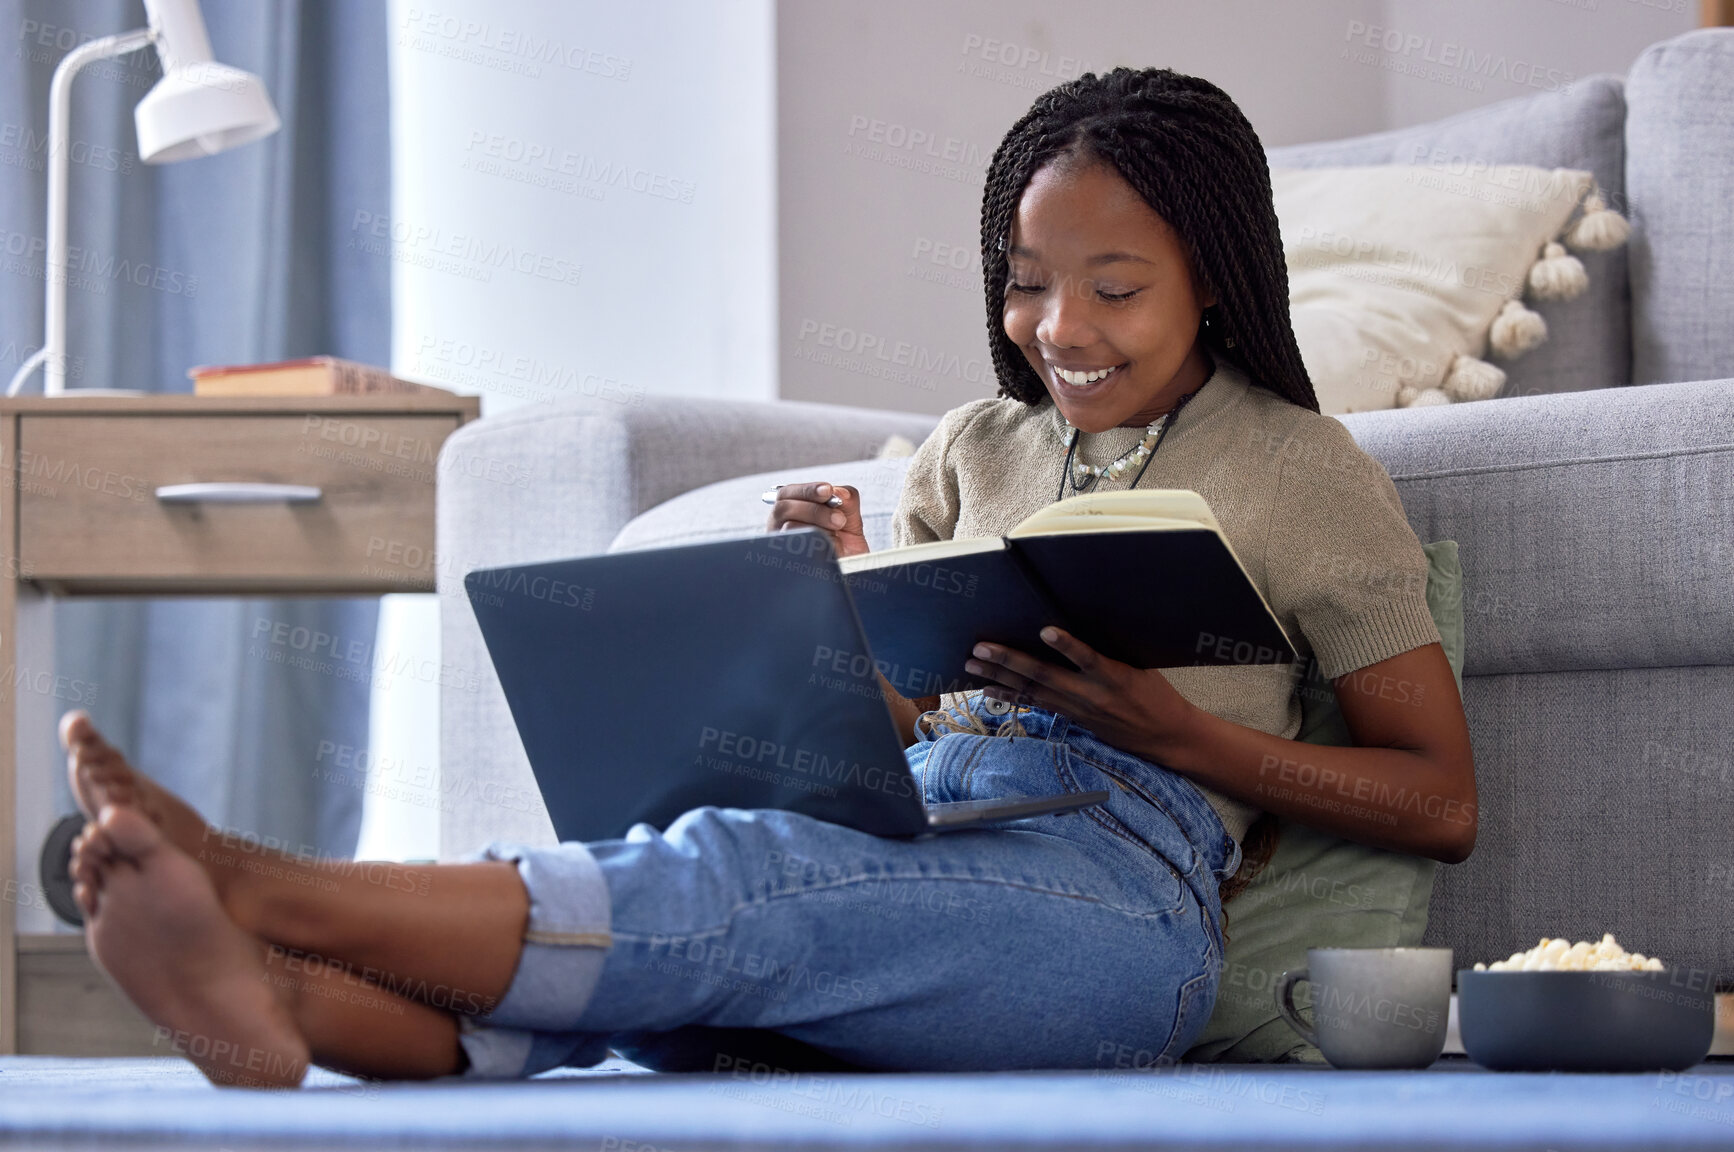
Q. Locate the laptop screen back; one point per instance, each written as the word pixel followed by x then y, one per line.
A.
pixel 734 673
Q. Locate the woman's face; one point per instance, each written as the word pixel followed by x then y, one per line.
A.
pixel 1099 282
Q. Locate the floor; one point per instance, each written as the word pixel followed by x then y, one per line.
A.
pixel 66 1103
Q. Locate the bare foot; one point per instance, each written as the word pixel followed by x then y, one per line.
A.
pixel 154 924
pixel 101 776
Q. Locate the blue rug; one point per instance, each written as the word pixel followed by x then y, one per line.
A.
pixel 75 1103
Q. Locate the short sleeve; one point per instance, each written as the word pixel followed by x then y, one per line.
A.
pixel 1341 559
pixel 927 509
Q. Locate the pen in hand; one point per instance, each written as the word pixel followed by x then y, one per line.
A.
pixel 834 509
pixel 770 497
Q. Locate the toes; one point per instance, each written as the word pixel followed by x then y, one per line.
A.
pixel 86 837
pixel 97 772
pixel 87 877
pixel 98 761
pixel 84 745
pixel 76 730
pixel 91 853
pixel 130 831
pixel 93 845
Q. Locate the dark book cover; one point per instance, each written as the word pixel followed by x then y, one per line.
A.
pixel 1150 598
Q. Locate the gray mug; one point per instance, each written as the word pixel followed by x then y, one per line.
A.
pixel 1373 1007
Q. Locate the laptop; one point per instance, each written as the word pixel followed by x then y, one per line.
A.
pixel 732 673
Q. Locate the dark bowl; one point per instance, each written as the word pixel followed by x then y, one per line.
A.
pixel 1586 1021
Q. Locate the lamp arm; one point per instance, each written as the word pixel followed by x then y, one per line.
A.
pixel 25 369
pixel 54 274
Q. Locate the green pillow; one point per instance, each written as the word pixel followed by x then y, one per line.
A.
pixel 1318 890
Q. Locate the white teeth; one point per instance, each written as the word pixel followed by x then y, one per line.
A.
pixel 1081 378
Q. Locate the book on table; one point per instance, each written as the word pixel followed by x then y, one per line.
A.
pixel 311 376
pixel 1144 577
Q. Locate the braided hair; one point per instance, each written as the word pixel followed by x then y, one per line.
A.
pixel 1187 150
pixel 1190 154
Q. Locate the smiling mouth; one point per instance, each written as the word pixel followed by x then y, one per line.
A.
pixel 1082 380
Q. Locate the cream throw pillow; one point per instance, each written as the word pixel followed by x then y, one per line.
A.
pixel 1398 276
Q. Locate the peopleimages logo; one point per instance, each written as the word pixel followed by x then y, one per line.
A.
pixel 26 148
pixel 1017 65
pixel 89 270
pixel 917 149
pixel 424 244
pixel 464 39
pixel 1445 61
pixel 736 749
pixel 1354 256
pixel 1011 55
pixel 863 348
pixel 566 170
pixel 923 140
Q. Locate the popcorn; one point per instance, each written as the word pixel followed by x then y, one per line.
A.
pixel 1557 956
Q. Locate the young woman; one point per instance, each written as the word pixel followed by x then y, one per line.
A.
pixel 1137 312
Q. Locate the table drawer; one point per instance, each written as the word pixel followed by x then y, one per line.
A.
pixel 92 516
pixel 67 1007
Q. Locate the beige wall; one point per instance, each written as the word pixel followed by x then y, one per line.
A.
pixel 889 112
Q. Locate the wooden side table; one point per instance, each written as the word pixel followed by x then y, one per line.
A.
pixel 164 495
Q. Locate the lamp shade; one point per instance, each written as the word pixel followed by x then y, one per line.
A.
pixel 200 108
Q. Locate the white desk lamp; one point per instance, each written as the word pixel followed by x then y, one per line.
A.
pixel 198 108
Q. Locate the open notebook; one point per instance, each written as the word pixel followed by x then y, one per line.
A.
pixel 1144 577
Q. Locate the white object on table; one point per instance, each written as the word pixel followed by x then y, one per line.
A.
pixel 198 108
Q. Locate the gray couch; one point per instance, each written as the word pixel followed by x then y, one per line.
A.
pixel 1593 503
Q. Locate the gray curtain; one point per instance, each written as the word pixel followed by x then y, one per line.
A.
pixel 237 258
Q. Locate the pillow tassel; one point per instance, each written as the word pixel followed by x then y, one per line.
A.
pixel 1472 379
pixel 1411 397
pixel 1516 330
pixel 1599 228
pixel 895 448
pixel 1557 275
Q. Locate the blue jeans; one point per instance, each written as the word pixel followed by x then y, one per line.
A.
pixel 1065 941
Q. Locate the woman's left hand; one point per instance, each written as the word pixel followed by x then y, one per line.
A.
pixel 1134 709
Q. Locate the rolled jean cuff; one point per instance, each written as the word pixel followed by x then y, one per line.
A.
pixel 565 943
pixel 512 1053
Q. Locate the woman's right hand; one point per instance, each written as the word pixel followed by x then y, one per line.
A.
pixel 804 506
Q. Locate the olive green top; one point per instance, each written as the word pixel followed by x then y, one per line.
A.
pixel 1315 521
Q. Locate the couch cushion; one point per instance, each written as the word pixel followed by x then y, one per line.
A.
pixel 1680 180
pixel 1589 339
pixel 1597 528
pixel 1321 891
pixel 1395 271
pixel 732 508
pixel 1605 800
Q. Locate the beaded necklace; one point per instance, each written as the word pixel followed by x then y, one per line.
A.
pixel 1084 476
